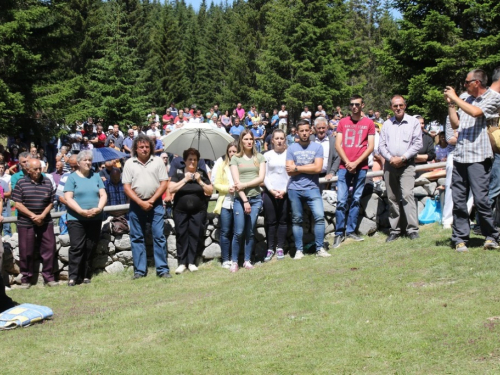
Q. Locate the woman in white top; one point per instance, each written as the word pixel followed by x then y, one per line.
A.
pixel 275 196
pixel 222 180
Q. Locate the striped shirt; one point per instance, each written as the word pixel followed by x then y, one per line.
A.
pixel 35 196
pixel 473 143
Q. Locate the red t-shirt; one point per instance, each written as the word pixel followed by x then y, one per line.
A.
pixel 102 139
pixel 165 118
pixel 355 138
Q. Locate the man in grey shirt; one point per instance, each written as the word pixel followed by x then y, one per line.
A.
pixel 400 140
pixel 144 181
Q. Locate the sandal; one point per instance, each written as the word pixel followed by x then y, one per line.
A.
pixel 71 283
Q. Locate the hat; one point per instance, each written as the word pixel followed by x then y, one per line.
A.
pixel 110 127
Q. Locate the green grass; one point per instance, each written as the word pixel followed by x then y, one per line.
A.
pixel 408 307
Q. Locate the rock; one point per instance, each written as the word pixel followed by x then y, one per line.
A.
pixel 442 181
pixel 208 241
pixel 328 207
pixel 260 234
pixel 122 242
pixel 367 226
pixel 60 265
pixel 101 261
pixel 111 248
pixel 421 181
pixel 168 227
pixel 124 256
pixel 172 264
pixel 63 275
pixel 64 239
pixel 260 221
pixel 431 188
pixel 420 191
pixel 57 230
pixel 15 253
pixel 210 227
pixel 64 254
pixel 329 228
pixel 171 243
pixel 372 206
pixel 213 251
pixel 115 267
pixel 216 221
pixel 216 235
pixel 58 246
pixel 102 246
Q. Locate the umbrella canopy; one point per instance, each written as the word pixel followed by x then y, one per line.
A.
pixel 208 140
pixel 103 154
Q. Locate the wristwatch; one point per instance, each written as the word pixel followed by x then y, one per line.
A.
pixel 403 158
pixel 296 170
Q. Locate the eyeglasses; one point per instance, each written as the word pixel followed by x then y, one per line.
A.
pixel 355 104
pixel 398 105
pixel 472 80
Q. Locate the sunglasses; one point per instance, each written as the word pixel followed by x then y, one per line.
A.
pixel 472 80
pixel 398 105
pixel 355 104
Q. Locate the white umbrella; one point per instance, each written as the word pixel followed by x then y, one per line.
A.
pixel 210 141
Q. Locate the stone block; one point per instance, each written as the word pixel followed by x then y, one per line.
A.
pixel 212 251
pixel 63 275
pixel 172 264
pixel 101 261
pixel 64 239
pixel 260 221
pixel 64 254
pixel 171 243
pixel 115 267
pixel 430 188
pixel 111 248
pixel 367 226
pixel 210 227
pixel 216 221
pixel 421 181
pixel 216 235
pixel 122 242
pixel 420 191
pixel 125 257
pixel 442 182
pixel 260 234
pixel 372 206
pixel 208 241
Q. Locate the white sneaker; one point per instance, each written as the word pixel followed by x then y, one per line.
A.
pixel 227 264
pixel 321 253
pixel 299 255
pixel 180 269
pixel 192 268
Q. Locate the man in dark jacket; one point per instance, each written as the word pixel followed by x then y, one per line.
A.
pixel 428 151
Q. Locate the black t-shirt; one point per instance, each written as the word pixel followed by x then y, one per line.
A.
pixel 191 198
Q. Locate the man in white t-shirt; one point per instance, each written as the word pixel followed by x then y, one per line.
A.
pixel 320 112
pixel 283 115
pixel 154 130
pixel 306 114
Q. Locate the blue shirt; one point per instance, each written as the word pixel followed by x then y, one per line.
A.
pixel 257 133
pixel 304 156
pixel 236 130
pixel 85 193
pixel 128 142
pixel 273 123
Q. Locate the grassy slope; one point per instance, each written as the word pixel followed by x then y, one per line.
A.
pixel 407 307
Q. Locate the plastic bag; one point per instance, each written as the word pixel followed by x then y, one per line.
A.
pixel 431 212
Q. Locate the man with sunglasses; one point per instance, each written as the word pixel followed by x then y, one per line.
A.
pixel 400 140
pixel 354 144
pixel 473 156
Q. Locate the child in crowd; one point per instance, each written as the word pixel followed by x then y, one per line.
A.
pixel 442 148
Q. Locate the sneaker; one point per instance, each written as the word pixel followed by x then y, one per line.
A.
pixel 227 264
pixel 180 269
pixel 52 283
pixel 477 230
pixel 192 268
pixel 461 248
pixel 337 241
pixel 299 254
pixel 490 245
pixel 234 267
pixel 165 275
pixel 248 266
pixel 25 286
pixel 280 254
pixel 269 256
pixel 86 281
pixel 321 253
pixel 354 236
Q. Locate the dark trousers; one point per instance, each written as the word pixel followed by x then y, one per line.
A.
pixel 276 215
pixel 473 177
pixel 188 233
pixel 37 237
pixel 5 301
pixel 83 239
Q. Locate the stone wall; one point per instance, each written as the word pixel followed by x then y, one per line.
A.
pixel 114 253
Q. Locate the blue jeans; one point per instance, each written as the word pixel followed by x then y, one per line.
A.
pixel 344 182
pixel 7 231
pixel 226 233
pixel 315 202
pixel 138 219
pixel 244 226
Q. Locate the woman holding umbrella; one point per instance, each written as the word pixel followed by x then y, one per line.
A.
pixel 86 197
pixel 248 169
pixel 191 188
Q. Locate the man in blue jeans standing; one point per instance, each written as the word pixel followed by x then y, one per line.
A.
pixel 144 181
pixel 304 160
pixel 355 142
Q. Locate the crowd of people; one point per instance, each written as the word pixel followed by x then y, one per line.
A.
pixel 270 167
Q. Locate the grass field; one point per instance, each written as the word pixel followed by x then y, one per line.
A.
pixel 409 307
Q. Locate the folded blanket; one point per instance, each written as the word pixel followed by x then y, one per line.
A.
pixel 24 315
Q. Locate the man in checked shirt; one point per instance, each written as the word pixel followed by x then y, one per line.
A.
pixel 473 158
